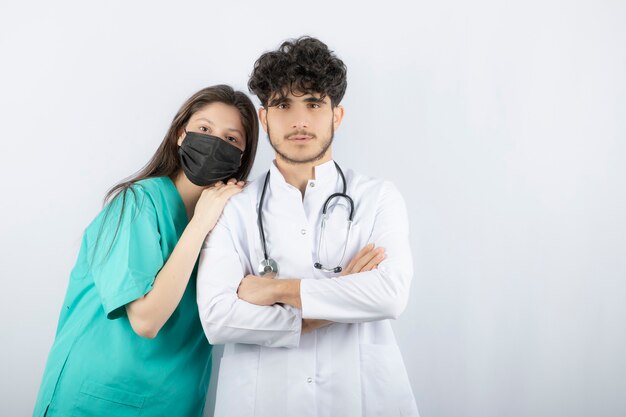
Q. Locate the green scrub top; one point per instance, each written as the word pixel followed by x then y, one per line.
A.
pixel 98 366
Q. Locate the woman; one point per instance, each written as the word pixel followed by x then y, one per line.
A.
pixel 129 341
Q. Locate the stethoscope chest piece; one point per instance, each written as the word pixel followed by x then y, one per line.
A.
pixel 268 267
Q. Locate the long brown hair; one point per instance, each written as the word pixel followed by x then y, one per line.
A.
pixel 166 162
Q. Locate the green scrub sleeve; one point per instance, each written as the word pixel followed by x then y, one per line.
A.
pixel 128 255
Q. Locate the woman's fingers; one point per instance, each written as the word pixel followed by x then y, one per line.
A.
pixel 220 185
pixel 230 190
pixel 226 189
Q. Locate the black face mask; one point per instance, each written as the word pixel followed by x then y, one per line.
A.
pixel 207 159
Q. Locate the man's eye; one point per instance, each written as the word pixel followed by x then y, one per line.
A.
pixel 315 105
pixel 282 106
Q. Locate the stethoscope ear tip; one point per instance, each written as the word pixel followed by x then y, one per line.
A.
pixel 335 270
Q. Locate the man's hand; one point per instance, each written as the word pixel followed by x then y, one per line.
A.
pixel 367 259
pixel 257 290
pixel 264 291
pixel 308 325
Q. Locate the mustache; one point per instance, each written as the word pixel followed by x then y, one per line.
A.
pixel 300 133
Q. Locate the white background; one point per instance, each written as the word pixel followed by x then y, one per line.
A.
pixel 502 123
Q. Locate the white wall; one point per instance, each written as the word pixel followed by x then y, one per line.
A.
pixel 503 123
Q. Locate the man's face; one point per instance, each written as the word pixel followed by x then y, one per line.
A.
pixel 301 127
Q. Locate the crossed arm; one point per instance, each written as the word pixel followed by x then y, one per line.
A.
pixel 264 291
pixel 275 313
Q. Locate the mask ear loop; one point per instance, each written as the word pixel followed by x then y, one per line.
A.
pixel 185 137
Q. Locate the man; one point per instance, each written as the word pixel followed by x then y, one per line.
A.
pixel 314 337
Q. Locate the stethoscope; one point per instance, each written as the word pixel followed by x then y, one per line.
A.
pixel 270 266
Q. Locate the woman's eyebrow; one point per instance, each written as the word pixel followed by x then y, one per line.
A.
pixel 232 129
pixel 207 120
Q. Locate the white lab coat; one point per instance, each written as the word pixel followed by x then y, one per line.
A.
pixel 350 368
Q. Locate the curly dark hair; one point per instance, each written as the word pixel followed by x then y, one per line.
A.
pixel 304 65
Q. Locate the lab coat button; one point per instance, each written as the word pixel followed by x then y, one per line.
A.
pixel 309 380
pixel 303 231
pixel 312 184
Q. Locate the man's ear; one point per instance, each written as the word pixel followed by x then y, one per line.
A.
pixel 338 113
pixel 263 118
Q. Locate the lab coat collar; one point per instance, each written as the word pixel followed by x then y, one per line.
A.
pixel 325 174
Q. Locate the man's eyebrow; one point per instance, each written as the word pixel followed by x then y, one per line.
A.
pixel 280 100
pixel 313 99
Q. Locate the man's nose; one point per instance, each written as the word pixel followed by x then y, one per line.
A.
pixel 300 120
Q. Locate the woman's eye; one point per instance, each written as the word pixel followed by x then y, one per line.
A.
pixel 232 139
pixel 204 129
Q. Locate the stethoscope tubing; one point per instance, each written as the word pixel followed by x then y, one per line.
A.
pixel 269 265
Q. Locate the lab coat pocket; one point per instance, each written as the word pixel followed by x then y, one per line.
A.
pixel 96 400
pixel 236 385
pixel 385 387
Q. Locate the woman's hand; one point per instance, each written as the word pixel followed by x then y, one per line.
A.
pixel 212 201
pixel 367 259
pixel 148 314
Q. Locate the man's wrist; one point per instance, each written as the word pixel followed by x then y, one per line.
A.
pixel 287 291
